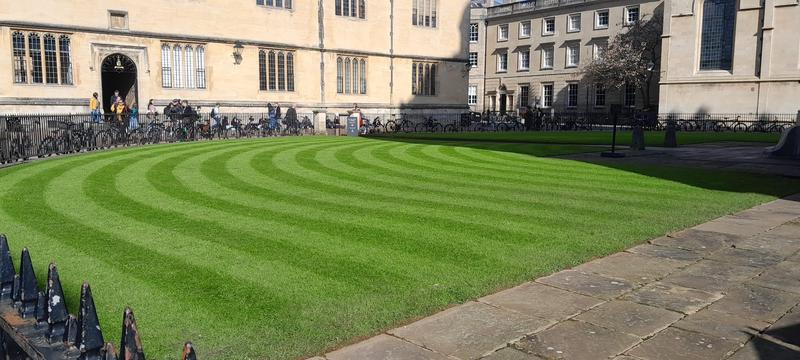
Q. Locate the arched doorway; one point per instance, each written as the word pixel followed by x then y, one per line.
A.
pixel 119 73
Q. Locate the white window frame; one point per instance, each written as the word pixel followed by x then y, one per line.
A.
pixel 570 17
pixel 520 100
pixel 545 50
pixel 501 65
pixel 626 14
pixel 573 50
pixel 502 32
pixel 545 21
pixel 545 86
pixel 569 95
pixel 597 13
pixel 524 25
pixel 597 50
pixel 473 55
pixel 520 62
pixel 475 27
pixel 472 95
pixel 598 86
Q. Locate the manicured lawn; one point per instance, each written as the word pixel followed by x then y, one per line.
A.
pixel 281 248
pixel 652 138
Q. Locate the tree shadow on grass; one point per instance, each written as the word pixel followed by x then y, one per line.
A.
pixel 690 172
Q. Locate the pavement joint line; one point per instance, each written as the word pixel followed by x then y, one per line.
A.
pixel 421 346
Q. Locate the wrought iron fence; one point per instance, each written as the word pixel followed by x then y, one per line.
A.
pixel 35 324
pixel 575 121
pixel 24 137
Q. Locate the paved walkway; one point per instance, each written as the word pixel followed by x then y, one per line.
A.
pixel 726 289
pixel 746 157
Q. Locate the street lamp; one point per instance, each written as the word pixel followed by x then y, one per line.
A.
pixel 237 52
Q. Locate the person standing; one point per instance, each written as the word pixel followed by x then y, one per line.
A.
pixel 94 107
pixel 119 110
pixel 133 117
pixel 114 99
pixel 151 110
pixel 216 117
pixel 273 119
pixel 278 112
pixel 291 118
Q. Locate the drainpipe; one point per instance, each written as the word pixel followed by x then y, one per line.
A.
pixel 759 51
pixel 391 54
pixel 485 58
pixel 321 24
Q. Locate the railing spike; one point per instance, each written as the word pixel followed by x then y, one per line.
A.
pixel 188 352
pixel 130 347
pixel 15 290
pixel 29 286
pixel 71 331
pixel 57 314
pixel 41 309
pixel 6 269
pixel 90 338
pixel 109 353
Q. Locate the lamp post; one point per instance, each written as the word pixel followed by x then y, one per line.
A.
pixel 238 47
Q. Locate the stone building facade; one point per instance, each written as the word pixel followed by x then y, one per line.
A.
pixel 321 55
pixel 477 55
pixel 536 51
pixel 726 56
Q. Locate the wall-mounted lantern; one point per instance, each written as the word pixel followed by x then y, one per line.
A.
pixel 237 52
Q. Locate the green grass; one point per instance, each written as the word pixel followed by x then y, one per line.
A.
pixel 652 138
pixel 282 248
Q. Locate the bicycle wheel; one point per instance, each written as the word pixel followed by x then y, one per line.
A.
pixel 449 128
pixel 104 139
pixel 137 137
pixel 46 148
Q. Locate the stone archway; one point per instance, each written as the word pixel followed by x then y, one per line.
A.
pixel 118 72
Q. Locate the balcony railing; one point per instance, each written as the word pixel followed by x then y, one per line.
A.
pixel 529 6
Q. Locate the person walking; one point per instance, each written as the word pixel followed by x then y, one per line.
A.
pixel 94 107
pixel 216 119
pixel 133 117
pixel 152 112
pixel 273 119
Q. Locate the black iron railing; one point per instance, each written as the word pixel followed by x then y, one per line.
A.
pixel 24 137
pixel 575 121
pixel 35 324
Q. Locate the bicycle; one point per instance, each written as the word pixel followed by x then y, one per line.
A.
pixel 399 125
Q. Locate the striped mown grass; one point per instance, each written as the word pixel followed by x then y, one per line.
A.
pixel 281 248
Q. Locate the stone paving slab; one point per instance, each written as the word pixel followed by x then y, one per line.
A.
pixel 542 301
pixel 665 252
pixel 765 349
pixel 725 290
pixel 756 302
pixel 677 344
pixel 631 318
pixel 722 325
pixel 787 329
pixel 696 240
pixel 673 297
pixel 603 287
pixel 384 347
pixel 635 268
pixel 576 340
pixel 511 354
pixel 453 331
pixel 746 257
